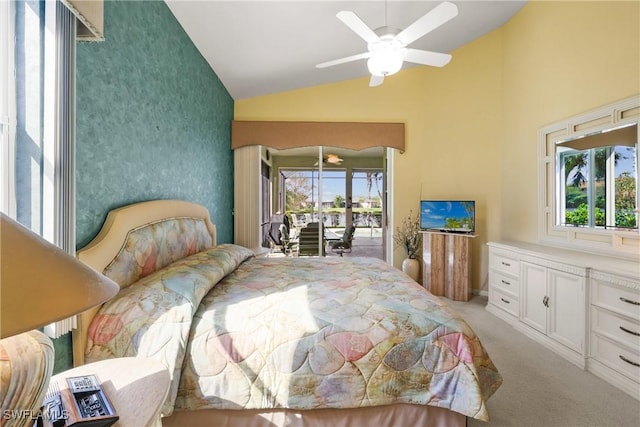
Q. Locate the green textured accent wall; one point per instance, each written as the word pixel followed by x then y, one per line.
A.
pixel 153 122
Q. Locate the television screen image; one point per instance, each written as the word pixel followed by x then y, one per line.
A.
pixel 452 216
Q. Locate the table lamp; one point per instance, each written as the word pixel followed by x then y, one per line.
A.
pixel 39 284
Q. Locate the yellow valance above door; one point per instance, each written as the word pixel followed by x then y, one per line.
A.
pixel 350 135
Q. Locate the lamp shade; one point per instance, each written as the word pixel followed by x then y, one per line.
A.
pixel 40 283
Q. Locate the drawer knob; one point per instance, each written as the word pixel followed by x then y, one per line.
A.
pixel 628 301
pixel 506 264
pixel 505 282
pixel 628 361
pixel 505 301
pixel 629 331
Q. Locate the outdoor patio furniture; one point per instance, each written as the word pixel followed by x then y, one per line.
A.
pixel 344 245
pixel 308 240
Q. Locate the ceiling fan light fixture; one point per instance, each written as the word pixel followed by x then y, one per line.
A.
pixel 333 159
pixel 385 62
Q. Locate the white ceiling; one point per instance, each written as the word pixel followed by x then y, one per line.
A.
pixel 263 47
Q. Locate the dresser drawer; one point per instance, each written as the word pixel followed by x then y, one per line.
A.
pixel 620 300
pixel 505 283
pixel 616 327
pixel 507 302
pixel 504 263
pixel 622 360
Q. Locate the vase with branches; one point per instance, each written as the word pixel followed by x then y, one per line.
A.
pixel 408 236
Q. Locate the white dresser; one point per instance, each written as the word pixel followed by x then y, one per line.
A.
pixel 504 283
pixel 584 307
pixel 615 330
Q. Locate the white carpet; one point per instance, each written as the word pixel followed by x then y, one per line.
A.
pixel 540 388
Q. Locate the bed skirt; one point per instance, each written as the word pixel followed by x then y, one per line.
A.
pixel 381 416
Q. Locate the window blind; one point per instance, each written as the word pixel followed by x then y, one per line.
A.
pixel 64 188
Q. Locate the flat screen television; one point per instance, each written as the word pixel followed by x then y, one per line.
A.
pixel 450 216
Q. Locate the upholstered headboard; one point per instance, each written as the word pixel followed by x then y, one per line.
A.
pixel 141 238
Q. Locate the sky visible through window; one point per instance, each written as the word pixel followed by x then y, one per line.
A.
pixel 624 164
pixel 626 161
pixel 334 182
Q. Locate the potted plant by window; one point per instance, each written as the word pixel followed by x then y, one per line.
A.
pixel 407 236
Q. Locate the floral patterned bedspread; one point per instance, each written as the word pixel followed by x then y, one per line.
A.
pixel 152 317
pixel 309 333
pixel 242 332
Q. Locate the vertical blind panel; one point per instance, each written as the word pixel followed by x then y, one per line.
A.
pixel 247 197
pixel 64 147
pixel 7 109
pixel 90 15
pixel 283 135
pixel 65 99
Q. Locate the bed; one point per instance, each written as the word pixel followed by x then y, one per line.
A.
pixel 258 341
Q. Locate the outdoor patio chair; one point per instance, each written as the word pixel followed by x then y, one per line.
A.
pixel 344 246
pixel 289 246
pixel 308 240
pixel 298 221
pixel 273 234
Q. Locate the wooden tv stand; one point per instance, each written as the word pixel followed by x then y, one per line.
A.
pixel 446 264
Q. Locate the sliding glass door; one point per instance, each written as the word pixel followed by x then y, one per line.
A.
pixel 302 198
pixel 333 189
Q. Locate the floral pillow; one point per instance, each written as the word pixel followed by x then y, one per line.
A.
pixel 153 246
pixel 152 317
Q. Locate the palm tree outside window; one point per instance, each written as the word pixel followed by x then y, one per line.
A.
pixel 598 187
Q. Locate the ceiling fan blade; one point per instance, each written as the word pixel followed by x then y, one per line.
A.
pixel 376 81
pixel 343 60
pixel 429 22
pixel 426 57
pixel 354 22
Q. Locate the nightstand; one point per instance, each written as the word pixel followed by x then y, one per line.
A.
pixel 137 387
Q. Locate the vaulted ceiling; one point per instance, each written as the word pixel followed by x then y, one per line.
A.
pixel 263 47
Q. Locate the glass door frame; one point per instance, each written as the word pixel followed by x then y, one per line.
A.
pixel 386 202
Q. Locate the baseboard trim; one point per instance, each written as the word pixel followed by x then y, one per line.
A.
pixel 614 378
pixel 501 314
pixel 573 357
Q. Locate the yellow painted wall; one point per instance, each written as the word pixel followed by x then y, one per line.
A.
pixel 560 59
pixel 471 126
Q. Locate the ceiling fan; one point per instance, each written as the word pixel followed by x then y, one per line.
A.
pixel 330 159
pixel 388 46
